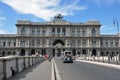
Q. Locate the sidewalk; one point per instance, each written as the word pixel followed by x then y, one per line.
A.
pixel 41 71
pixel 114 61
pixel 112 64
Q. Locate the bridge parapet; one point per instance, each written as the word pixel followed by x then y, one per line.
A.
pixel 11 65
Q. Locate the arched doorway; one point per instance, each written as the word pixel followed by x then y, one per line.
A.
pixel 57 44
pixel 93 52
pixel 9 53
pixel 3 53
pixel 22 52
pixel 84 52
pixel 102 54
pixel 43 52
pixel 32 51
pixel 74 52
pixel 14 53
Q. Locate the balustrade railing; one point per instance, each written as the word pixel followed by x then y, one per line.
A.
pixel 11 65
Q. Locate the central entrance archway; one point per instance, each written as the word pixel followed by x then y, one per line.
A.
pixel 58 44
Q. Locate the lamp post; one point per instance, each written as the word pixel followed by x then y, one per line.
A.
pixel 116 23
pixel 49 49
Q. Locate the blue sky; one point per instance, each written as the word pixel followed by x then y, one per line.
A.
pixel 73 10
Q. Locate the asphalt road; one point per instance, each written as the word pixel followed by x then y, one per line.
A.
pixel 86 71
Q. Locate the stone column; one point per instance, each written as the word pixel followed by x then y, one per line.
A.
pixel 98 53
pixel 18 52
pixel 75 32
pixel 61 32
pixel 41 32
pixel 27 53
pixel 56 32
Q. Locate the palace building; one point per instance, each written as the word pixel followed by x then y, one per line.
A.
pixel 55 36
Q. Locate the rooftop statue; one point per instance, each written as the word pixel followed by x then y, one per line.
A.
pixel 58 16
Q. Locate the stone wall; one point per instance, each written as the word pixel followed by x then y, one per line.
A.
pixel 9 66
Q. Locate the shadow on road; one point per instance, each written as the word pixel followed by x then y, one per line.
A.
pixel 21 75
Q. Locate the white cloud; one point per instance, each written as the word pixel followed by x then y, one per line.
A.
pixel 1 21
pixel 3 32
pixel 44 9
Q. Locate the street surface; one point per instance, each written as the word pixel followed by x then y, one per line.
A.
pixel 40 71
pixel 85 71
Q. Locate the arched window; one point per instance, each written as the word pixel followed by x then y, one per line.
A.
pixel 38 42
pixel 32 51
pixel 23 31
pixel 22 52
pixel 94 43
pixel 106 42
pixel 53 31
pixel 93 32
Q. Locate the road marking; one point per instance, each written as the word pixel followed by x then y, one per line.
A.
pixel 57 72
pixel 52 72
pixel 102 64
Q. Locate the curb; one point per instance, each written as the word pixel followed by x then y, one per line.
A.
pixel 52 72
pixel 55 73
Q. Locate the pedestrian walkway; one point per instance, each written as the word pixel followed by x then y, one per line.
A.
pixel 41 71
pixel 105 59
pixel 105 63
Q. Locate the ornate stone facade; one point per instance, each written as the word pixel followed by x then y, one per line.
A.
pixel 55 36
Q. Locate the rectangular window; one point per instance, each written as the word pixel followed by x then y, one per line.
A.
pixel 33 32
pixel 22 43
pixel 83 32
pixel 93 43
pixel 38 31
pixel 73 32
pixel 64 31
pixel 44 32
pixel 78 32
